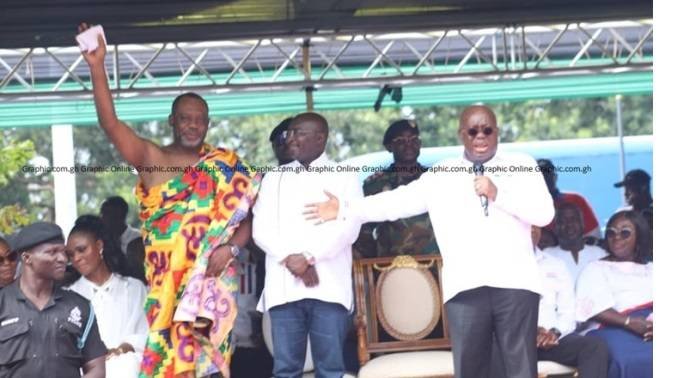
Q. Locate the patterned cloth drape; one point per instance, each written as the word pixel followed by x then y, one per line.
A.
pixel 184 220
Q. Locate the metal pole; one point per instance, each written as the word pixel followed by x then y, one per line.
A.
pixel 620 133
pixel 64 188
pixel 307 73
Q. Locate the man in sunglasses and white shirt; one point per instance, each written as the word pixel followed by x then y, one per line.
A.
pixel 571 248
pixel 482 223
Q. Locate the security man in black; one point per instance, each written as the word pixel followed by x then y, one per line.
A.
pixel 46 331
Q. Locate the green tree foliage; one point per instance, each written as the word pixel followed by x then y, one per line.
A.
pixel 353 132
pixel 13 156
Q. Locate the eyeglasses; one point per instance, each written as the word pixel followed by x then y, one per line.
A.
pixel 10 258
pixel 295 133
pixel 624 233
pixel 279 139
pixel 472 132
pixel 406 139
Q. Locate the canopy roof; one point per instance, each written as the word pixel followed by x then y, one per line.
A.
pixel 251 57
pixel 40 23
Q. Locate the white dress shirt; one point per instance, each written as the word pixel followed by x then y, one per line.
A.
pixel 588 254
pixel 121 318
pixel 119 310
pixel 557 305
pixel 280 229
pixel 477 250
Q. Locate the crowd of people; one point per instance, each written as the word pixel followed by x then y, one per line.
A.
pixel 528 274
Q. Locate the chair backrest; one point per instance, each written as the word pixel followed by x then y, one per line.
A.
pixel 399 305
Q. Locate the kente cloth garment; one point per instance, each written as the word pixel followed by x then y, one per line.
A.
pixel 184 220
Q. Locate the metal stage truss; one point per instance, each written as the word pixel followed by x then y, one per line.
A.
pixel 319 61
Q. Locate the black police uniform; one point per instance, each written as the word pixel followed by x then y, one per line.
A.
pixel 54 342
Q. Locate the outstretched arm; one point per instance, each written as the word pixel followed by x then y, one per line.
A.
pixel 402 202
pixel 135 150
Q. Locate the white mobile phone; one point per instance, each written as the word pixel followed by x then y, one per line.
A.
pixel 88 41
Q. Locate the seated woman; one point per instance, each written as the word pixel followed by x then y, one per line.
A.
pixel 8 263
pixel 117 299
pixel 616 295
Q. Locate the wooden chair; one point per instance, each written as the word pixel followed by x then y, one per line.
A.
pixel 401 329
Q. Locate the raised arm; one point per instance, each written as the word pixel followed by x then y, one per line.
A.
pixel 134 149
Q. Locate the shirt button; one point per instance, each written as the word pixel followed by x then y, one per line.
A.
pixel 33 355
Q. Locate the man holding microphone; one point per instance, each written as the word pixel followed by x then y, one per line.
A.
pixel 482 223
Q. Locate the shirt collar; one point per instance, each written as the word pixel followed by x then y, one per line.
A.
pixel 105 287
pixel 14 290
pixel 321 161
pixel 492 162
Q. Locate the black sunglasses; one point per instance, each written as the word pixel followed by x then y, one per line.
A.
pixel 624 233
pixel 10 258
pixel 472 132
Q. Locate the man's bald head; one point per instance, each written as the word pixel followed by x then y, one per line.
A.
pixel 314 119
pixel 307 137
pixel 478 131
pixel 477 109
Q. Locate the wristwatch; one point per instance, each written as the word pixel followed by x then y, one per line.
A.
pixel 556 332
pixel 235 250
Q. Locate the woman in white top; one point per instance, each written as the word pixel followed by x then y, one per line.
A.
pixel 615 295
pixel 117 299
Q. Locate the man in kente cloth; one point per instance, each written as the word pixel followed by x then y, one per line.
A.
pixel 194 201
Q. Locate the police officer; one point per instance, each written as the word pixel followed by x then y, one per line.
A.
pixel 46 331
pixel 410 236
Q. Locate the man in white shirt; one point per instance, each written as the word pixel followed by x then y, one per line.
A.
pixel 251 358
pixel 571 248
pixel 556 340
pixel 483 228
pixel 308 285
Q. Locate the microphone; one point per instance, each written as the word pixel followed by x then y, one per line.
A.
pixel 478 170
